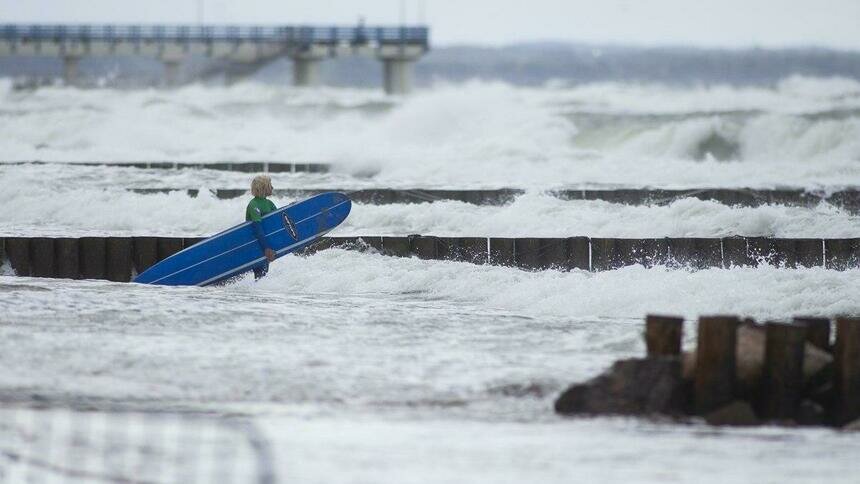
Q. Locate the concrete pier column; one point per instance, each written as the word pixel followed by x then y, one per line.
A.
pixel 397 74
pixel 306 69
pixel 70 69
pixel 171 72
pixel 397 64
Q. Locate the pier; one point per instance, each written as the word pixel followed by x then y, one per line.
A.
pixel 396 47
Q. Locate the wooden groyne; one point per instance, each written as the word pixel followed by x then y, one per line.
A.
pixel 117 258
pixel 848 199
pixel 240 166
pixel 741 373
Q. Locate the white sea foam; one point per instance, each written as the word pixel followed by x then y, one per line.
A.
pixel 466 134
pixel 111 212
pixel 630 292
pixel 793 95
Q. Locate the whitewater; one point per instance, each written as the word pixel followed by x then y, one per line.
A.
pixel 365 368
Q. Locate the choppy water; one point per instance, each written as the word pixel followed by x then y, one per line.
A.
pixel 362 368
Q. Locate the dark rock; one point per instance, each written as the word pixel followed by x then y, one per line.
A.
pixel 810 413
pixel 519 390
pixel 737 413
pixel 637 386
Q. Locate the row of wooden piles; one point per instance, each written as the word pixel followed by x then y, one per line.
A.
pixel 740 373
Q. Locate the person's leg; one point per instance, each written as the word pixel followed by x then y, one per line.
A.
pixel 261 271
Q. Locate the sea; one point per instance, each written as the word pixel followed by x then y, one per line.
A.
pixel 360 368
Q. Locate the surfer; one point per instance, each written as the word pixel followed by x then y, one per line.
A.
pixel 259 206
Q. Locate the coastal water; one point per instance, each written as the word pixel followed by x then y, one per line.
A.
pixel 363 368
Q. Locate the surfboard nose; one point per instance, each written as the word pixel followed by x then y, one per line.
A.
pixel 342 203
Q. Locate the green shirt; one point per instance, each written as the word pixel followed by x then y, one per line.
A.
pixel 257 208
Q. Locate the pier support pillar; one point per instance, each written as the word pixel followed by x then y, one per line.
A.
pixel 397 65
pixel 171 72
pixel 397 74
pixel 306 69
pixel 70 69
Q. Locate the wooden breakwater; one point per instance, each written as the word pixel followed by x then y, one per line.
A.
pixel 117 258
pixel 741 373
pixel 240 166
pixel 847 199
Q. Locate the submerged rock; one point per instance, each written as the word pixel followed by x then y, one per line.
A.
pixel 811 413
pixel 737 413
pixel 636 386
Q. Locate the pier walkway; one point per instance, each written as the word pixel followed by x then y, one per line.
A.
pixel 397 47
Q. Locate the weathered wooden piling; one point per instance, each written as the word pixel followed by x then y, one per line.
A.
pixel 167 246
pixel 597 254
pixel 735 252
pixel 67 256
pixel 93 257
pixel 397 246
pixel 118 251
pixel 842 254
pixel 425 247
pixel 42 258
pixel 502 251
pixel 759 251
pixel 817 331
pixel 18 252
pixel 534 254
pixel 606 254
pixel 663 335
pixel 846 369
pixel 374 243
pixel 714 381
pixel 697 253
pixel 471 249
pixel 144 253
pixel 796 252
pixel 782 373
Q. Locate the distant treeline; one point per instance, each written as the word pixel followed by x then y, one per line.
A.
pixel 527 64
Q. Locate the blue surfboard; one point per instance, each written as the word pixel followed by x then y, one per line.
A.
pixel 236 250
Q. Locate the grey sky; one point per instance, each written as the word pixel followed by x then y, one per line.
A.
pixel 726 23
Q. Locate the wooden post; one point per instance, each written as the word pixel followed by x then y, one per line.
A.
pixel 714 383
pixel 782 374
pixel 119 259
pixel 396 246
pixel 144 253
pixel 18 252
pixel 502 251
pixel 167 246
pixel 67 257
pixel 817 331
pixel 92 257
pixel 846 370
pixel 663 335
pixel 425 247
pixel 42 257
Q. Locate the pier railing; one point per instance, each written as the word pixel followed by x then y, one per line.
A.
pixel 289 34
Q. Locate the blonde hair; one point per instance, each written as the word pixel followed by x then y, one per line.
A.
pixel 261 186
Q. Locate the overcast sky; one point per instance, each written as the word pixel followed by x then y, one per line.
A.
pixel 715 23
